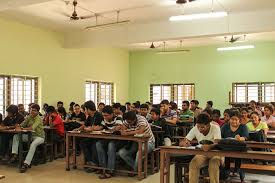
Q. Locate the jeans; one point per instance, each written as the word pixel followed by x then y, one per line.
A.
pixel 106 148
pixel 88 146
pixel 127 154
pixel 36 141
pixel 199 162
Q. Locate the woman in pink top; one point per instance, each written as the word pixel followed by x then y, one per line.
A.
pixel 268 118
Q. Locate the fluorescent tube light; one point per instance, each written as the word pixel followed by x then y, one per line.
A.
pixel 198 16
pixel 236 48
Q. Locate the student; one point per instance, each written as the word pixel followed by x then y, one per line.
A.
pixel 209 105
pixel 234 129
pixel 100 107
pixel 194 106
pixel 92 123
pixel 45 106
pixel 245 116
pixel 255 124
pixel 203 130
pixel 169 115
pixel 128 106
pixel 21 110
pixel 186 115
pixel 150 105
pixel 268 118
pixel 117 110
pixel 135 124
pixel 226 116
pixel 9 122
pixel 216 114
pixel 32 122
pixel 106 149
pixel 62 112
pixel 54 120
pixel 59 104
pixel 144 111
pixel 174 107
pixel 157 121
pixel 76 120
pixel 253 106
pixel 135 107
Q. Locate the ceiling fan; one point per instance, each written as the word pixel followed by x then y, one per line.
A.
pixel 74 15
pixel 235 39
pixel 184 1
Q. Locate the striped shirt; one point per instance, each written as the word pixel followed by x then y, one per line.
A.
pixel 170 115
pixel 109 125
pixel 141 121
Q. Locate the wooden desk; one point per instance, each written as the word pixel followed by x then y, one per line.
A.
pixel 140 140
pixel 49 133
pixel 272 132
pixel 20 148
pixel 165 153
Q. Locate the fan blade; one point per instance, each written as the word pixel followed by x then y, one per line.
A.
pixel 87 17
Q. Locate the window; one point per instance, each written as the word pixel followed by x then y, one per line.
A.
pixel 100 92
pixel 263 92
pixel 17 90
pixel 172 92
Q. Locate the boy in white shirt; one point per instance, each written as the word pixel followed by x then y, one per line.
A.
pixel 203 130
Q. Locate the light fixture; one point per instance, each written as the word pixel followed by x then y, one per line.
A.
pixel 152 46
pixel 243 47
pixel 199 16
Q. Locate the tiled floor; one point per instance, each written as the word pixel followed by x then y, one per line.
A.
pixel 54 172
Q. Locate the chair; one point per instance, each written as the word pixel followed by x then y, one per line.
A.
pixel 59 153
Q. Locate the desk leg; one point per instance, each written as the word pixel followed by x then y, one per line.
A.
pixel 162 159
pixel 145 158
pixel 67 152
pixel 140 161
pixel 51 141
pixel 167 165
pixel 20 151
pixel 74 153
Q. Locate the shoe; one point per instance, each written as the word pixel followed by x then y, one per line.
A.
pixel 105 176
pixel 89 170
pixel 24 168
pixel 13 159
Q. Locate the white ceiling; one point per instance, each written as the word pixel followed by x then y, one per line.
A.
pixel 146 16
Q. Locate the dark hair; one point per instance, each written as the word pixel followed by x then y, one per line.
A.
pixel 269 107
pixel 82 107
pixel 166 102
pixel 76 105
pixel 45 105
pixel 35 106
pixel 72 104
pixel 101 103
pixel 244 109
pixel 208 111
pixel 30 104
pixel 108 109
pixel 20 105
pixel 123 109
pixel 156 111
pixel 50 109
pixel 210 103
pixel 148 103
pixel 131 115
pixel 216 111
pixel 117 106
pixel 12 109
pixel 90 105
pixel 62 110
pixel 226 111
pixel 127 103
pixel 203 118
pixel 235 113
pixel 137 105
pixel 253 101
pixel 195 102
pixel 186 102
pixel 174 106
pixel 145 106
pixel 138 102
pixel 59 102
pixel 255 113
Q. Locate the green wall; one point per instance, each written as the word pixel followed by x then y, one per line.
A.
pixel 62 72
pixel 212 72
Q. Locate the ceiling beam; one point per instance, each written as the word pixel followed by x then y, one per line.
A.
pixel 247 22
pixel 11 4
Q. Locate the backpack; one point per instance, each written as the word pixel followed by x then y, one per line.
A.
pixel 231 145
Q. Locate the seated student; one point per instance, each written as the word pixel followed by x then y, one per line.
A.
pixel 54 120
pixel 209 105
pixel 203 130
pixel 100 107
pixel 144 111
pixel 216 114
pixel 186 115
pixel 32 122
pixel 157 121
pixel 135 107
pixel 117 110
pixel 268 118
pixel 168 114
pixel 59 104
pixel 135 124
pixel 45 106
pixel 21 110
pixel 150 106
pixel 245 116
pixel 128 107
pixel 194 106
pixel 106 149
pixel 255 124
pixel 253 106
pixel 62 112
pixel 9 122
pixel 226 116
pixel 76 120
pixel 234 129
pixel 174 106
pixel 92 123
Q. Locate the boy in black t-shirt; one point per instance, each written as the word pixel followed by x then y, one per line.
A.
pixel 76 120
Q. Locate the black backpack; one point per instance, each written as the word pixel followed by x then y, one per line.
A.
pixel 231 145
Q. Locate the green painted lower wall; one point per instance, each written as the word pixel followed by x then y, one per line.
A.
pixel 212 72
pixel 29 51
